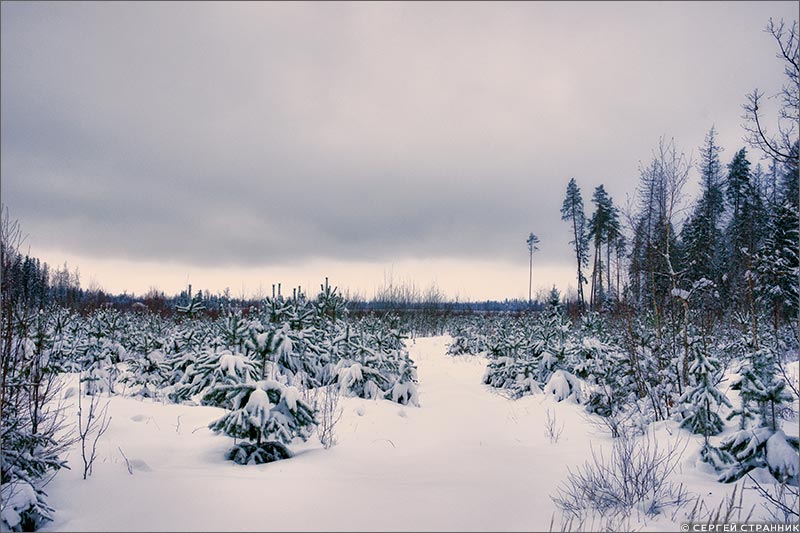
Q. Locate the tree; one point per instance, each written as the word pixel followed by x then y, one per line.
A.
pixel 776 264
pixel 613 232
pixel 701 237
pixel 738 181
pixel 532 241
pixel 744 234
pixel 654 278
pixel 766 446
pixel 33 430
pixel 572 210
pixel 782 146
pixel 267 412
pixel 620 245
pixel 704 398
pixel 195 305
pixel 603 229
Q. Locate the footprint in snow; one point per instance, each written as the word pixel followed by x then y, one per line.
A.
pixel 138 464
pixel 138 418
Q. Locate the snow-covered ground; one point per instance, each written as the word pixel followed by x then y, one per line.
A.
pixel 466 459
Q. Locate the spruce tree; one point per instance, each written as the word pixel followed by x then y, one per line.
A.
pixel 763 392
pixel 195 305
pixel 704 398
pixel 701 237
pixel 738 232
pixel 266 415
pixel 776 261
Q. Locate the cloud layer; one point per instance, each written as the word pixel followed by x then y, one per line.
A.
pixel 272 134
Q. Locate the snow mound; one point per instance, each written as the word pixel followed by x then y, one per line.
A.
pixel 565 386
pixel 782 458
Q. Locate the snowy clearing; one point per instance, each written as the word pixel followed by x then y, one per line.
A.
pixel 466 459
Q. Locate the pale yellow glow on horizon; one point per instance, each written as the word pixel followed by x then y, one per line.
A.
pixel 462 279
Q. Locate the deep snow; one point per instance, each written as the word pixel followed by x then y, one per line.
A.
pixel 467 459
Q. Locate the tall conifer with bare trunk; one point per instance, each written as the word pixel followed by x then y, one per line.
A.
pixel 532 241
pixel 572 211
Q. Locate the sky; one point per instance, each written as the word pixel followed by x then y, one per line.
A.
pixel 244 144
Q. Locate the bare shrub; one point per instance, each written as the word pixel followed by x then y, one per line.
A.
pixel 592 522
pixel 620 423
pixel 729 510
pixel 551 428
pixel 636 477
pixel 782 502
pixel 326 402
pixel 127 462
pixel 91 426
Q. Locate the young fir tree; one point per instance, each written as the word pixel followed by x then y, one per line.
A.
pixel 266 415
pixel 572 211
pixel 195 305
pixel 704 398
pixel 762 392
pixel 209 368
pixel 147 374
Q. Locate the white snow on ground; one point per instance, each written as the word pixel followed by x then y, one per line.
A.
pixel 467 459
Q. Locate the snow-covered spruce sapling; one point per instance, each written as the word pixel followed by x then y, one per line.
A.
pixel 514 361
pixel 148 374
pixel 766 446
pixel 213 367
pixel 762 448
pixel 195 305
pixel 703 400
pixel 267 415
pixel 563 385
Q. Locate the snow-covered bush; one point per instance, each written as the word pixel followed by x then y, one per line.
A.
pixel 361 381
pixel 468 336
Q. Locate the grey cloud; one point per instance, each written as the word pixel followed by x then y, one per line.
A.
pixel 270 133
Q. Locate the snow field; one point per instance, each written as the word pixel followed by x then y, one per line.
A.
pixel 467 459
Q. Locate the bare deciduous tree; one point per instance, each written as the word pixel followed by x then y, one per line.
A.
pixel 782 145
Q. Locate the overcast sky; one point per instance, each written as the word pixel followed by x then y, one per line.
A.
pixel 244 144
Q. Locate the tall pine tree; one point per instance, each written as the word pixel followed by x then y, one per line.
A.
pixel 572 211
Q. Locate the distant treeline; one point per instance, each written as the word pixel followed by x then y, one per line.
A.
pixel 42 286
